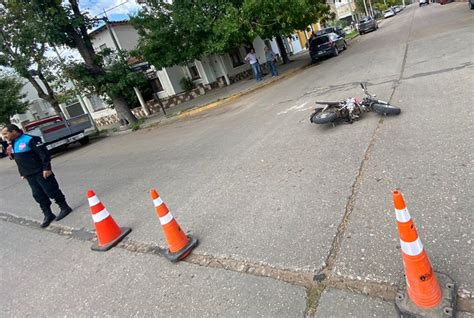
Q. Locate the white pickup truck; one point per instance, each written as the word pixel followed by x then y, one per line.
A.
pixel 56 131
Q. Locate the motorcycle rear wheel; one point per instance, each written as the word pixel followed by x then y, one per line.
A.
pixel 320 117
pixel 386 109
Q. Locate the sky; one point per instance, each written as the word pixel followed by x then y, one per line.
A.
pixel 116 9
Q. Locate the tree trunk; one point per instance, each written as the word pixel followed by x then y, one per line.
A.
pixel 50 97
pixel 41 94
pixel 122 109
pixel 282 49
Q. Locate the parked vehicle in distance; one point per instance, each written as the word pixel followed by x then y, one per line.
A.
pixel 336 30
pixel 396 9
pixel 326 45
pixel 471 4
pixel 367 24
pixel 390 13
pixel 55 131
pixel 424 2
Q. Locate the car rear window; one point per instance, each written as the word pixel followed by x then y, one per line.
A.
pixel 364 20
pixel 320 40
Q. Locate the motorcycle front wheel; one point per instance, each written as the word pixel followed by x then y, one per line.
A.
pixel 320 117
pixel 386 109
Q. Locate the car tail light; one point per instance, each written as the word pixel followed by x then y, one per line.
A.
pixel 330 44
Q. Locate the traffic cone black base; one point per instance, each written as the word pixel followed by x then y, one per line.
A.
pixel 446 309
pixel 124 232
pixel 175 257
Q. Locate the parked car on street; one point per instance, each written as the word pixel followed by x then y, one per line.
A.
pixel 367 24
pixel 326 45
pixel 396 9
pixel 390 13
pixel 55 131
pixel 424 2
pixel 336 30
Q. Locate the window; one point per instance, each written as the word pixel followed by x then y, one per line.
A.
pixel 236 58
pixel 320 40
pixel 194 72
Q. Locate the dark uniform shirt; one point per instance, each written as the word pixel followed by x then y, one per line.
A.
pixel 30 155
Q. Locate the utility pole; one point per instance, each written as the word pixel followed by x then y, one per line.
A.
pixel 119 51
pixel 78 95
pixel 365 7
pixel 371 10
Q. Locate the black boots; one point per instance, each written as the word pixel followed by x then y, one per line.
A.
pixel 48 217
pixel 65 210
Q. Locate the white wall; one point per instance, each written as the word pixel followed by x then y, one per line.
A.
pixel 100 38
pixel 126 36
pixel 175 74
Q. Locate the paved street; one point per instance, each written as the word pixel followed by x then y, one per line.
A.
pixel 273 199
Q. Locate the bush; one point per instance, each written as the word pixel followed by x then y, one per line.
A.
pixel 137 125
pixel 187 84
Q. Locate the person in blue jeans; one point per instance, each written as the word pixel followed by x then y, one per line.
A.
pixel 251 58
pixel 271 61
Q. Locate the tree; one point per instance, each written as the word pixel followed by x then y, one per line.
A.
pixel 184 30
pixel 67 25
pixel 274 18
pixel 23 47
pixel 117 79
pixel 11 98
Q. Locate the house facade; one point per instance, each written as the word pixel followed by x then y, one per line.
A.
pixel 207 73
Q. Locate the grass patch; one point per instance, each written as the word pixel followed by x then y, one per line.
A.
pixel 136 126
pixel 351 35
pixel 312 298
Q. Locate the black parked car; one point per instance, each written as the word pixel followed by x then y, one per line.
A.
pixel 367 24
pixel 326 45
pixel 336 30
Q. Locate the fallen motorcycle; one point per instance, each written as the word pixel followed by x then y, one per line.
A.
pixel 351 108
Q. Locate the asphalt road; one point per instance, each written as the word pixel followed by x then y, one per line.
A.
pixel 258 184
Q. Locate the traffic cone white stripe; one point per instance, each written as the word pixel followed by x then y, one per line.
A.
pixel 102 215
pixel 157 202
pixel 93 201
pixel 166 219
pixel 403 215
pixel 412 248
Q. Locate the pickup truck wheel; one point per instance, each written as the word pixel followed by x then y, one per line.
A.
pixel 84 141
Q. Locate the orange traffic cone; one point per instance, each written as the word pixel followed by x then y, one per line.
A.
pixel 425 294
pixel 108 232
pixel 180 245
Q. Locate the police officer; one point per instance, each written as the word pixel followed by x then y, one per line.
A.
pixel 34 165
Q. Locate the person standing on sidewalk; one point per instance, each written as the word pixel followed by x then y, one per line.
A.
pixel 251 58
pixel 271 61
pixel 34 165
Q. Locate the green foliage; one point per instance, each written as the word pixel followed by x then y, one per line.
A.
pixel 23 44
pixel 117 79
pixel 135 126
pixel 178 32
pixel 11 98
pixel 184 30
pixel 186 83
pixel 269 18
pixel 67 25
